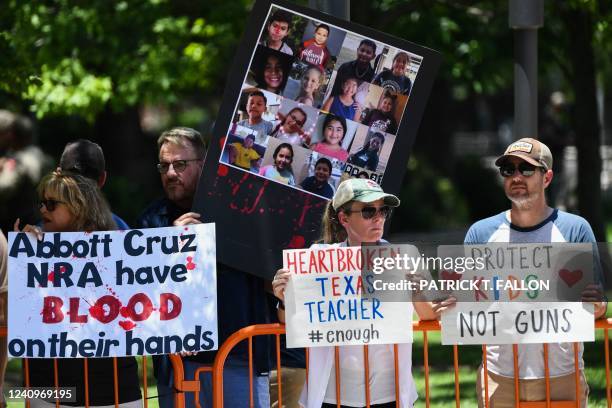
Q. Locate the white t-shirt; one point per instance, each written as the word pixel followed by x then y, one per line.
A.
pixel 558 227
pixel 322 373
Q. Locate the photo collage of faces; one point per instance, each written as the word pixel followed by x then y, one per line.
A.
pixel 319 104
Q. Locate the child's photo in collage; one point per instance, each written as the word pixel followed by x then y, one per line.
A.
pixel 296 123
pixel 323 175
pixel 371 149
pixel 318 104
pixel 307 84
pixel 333 136
pixel 284 162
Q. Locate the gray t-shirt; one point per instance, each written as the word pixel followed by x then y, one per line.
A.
pixel 263 128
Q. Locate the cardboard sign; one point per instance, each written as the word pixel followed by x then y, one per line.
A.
pixel 262 178
pixel 521 272
pixel 113 293
pixel 520 293
pixel 328 301
pixel 518 323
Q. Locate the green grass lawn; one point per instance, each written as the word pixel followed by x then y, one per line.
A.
pixel 442 375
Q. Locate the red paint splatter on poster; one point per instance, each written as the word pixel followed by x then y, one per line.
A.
pixel 124 312
pixel 190 265
pixel 127 325
pixel 297 241
pixel 222 170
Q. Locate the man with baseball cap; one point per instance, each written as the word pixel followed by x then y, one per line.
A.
pixel 526 168
pixel 86 158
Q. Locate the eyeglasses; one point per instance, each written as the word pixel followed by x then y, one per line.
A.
pixel 526 169
pixel 370 212
pixel 49 204
pixel 178 165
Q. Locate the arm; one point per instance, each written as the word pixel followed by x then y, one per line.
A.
pixel 232 153
pixel 433 310
pixel 357 112
pixel 327 104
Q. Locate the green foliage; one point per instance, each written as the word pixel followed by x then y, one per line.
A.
pixel 70 57
pixel 473 37
pixel 429 200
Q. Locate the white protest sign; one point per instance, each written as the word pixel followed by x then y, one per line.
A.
pixel 521 272
pixel 519 293
pixel 328 302
pixel 113 293
pixel 518 322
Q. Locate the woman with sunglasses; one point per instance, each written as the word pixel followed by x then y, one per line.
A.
pixel 357 215
pixel 70 202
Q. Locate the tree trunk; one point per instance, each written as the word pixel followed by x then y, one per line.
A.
pixel 579 27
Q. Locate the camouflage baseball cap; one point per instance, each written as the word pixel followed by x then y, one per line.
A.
pixel 362 190
pixel 531 150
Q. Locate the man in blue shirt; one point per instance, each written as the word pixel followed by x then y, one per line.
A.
pixel 241 298
pixel 526 167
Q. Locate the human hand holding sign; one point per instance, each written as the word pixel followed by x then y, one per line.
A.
pixel 593 293
pixel 279 283
pixel 29 228
pixel 189 218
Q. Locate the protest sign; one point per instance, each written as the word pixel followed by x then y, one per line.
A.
pixel 113 293
pixel 520 272
pixel 519 293
pixel 518 323
pixel 326 302
pixel 266 204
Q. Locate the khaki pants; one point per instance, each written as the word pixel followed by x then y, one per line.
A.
pixel 293 380
pixel 501 389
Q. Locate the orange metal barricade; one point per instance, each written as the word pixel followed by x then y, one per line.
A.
pixel 276 330
pixel 26 371
pixel 183 385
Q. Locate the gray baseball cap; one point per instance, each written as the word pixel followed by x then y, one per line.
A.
pixel 362 190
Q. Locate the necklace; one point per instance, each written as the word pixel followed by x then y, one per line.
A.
pixel 357 74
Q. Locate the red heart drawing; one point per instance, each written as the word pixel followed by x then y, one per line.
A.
pixel 450 275
pixel 570 277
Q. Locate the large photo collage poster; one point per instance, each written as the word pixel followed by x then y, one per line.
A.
pixel 309 101
pixel 318 104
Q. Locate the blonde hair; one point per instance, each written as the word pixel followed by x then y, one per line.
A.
pixel 331 229
pixel 184 137
pixel 83 199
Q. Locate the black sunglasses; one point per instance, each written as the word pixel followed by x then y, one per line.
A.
pixel 370 212
pixel 178 165
pixel 526 169
pixel 49 204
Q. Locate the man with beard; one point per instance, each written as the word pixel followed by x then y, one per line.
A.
pixel 526 167
pixel 241 298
